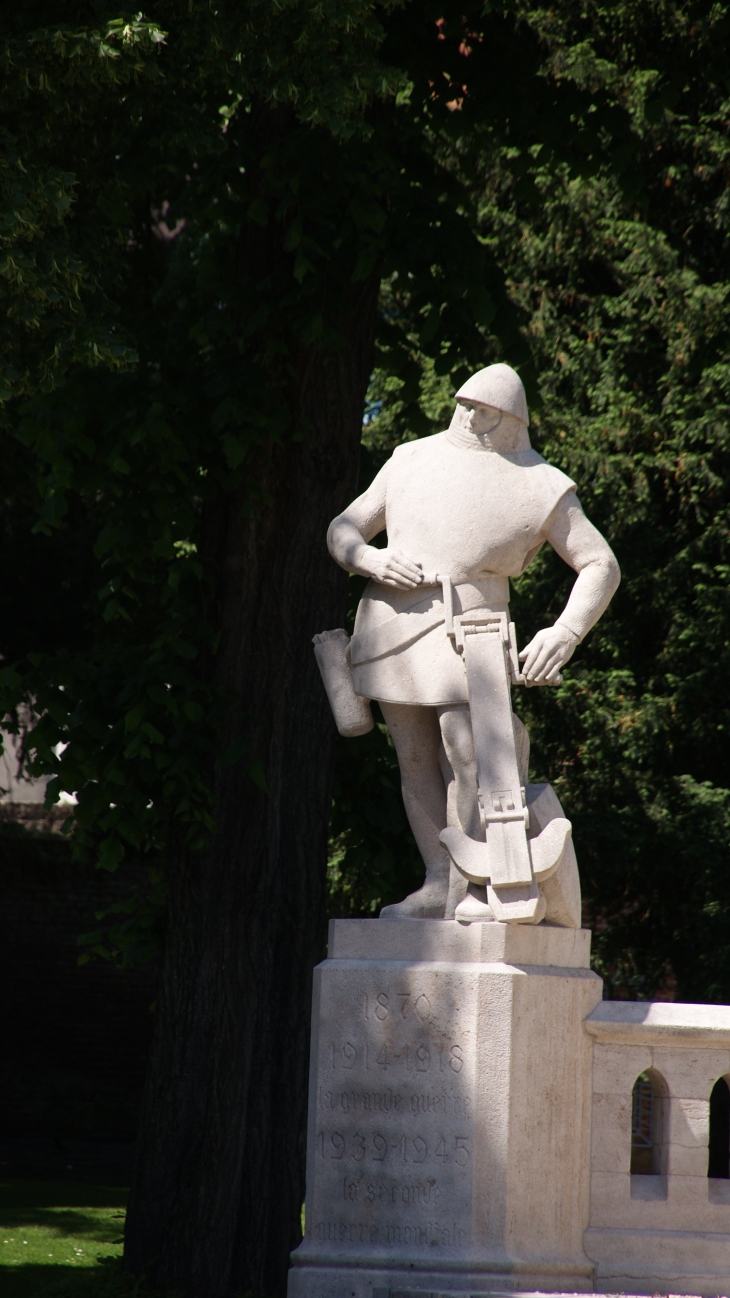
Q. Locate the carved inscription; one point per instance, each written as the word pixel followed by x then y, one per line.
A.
pixel 406 1148
pixel 413 1057
pixel 423 1193
pixel 428 1234
pixel 393 1102
pixel 393 1144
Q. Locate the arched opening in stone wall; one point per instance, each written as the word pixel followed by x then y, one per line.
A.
pixel 719 1143
pixel 649 1115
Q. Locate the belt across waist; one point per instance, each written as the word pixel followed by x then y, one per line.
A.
pixel 429 611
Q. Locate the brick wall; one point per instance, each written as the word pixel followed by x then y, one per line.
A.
pixel 73 1041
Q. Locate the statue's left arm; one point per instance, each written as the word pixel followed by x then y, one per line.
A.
pixel 581 545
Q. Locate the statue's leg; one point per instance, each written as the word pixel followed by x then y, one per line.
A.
pixel 417 739
pixel 458 742
pixel 463 805
pixel 461 771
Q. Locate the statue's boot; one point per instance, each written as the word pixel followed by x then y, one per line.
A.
pixel 429 902
pixel 474 908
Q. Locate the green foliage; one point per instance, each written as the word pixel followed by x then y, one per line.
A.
pixel 627 303
pixel 621 288
pixel 133 928
pixel 54 280
pixel 129 456
pixel 188 200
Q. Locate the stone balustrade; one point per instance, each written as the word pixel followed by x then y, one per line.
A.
pixel 667 1225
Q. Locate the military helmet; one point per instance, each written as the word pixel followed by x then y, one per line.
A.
pixel 499 386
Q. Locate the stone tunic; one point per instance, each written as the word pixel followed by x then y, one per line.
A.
pixel 461 510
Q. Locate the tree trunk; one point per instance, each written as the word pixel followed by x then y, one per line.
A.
pixel 219 1183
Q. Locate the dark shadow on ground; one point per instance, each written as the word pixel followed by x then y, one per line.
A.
pixel 33 1281
pixel 21 1194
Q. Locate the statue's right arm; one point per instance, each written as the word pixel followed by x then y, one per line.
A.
pixel 348 536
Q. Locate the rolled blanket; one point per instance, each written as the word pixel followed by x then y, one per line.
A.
pixel 350 710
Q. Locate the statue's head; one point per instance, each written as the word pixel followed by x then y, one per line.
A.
pixel 498 386
pixel 492 405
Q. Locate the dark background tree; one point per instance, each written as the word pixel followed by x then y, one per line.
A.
pixel 197 231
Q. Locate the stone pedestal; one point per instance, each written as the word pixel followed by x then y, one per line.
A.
pixel 449 1111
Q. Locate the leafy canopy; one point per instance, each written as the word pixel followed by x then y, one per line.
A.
pixel 188 199
pixel 621 288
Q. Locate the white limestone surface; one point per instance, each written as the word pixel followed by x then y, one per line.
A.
pixel 669 1232
pixel 449 1111
pixel 431 939
pixel 421 1293
pixel 464 510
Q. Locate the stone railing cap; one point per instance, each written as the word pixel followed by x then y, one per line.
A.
pixel 649 1020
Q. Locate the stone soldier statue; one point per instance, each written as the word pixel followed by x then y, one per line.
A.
pixel 465 510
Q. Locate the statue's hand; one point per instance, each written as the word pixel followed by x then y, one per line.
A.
pixel 546 653
pixel 389 566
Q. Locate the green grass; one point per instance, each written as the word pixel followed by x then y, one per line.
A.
pixel 60 1240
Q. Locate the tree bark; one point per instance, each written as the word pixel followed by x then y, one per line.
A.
pixel 219 1182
